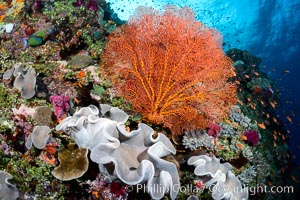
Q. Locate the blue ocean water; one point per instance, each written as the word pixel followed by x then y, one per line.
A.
pixel 267 29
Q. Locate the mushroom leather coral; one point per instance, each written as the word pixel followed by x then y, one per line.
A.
pixel 218 177
pixel 8 191
pixel 137 155
pixel 171 68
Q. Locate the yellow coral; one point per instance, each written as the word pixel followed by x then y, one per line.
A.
pixel 2 17
pixel 16 8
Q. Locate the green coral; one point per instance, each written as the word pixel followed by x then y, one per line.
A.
pixel 258 82
pixel 34 178
pixel 7 100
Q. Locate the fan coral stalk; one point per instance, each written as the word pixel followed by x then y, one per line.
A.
pixel 171 68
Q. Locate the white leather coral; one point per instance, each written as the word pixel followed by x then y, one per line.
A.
pixel 219 178
pixel 136 155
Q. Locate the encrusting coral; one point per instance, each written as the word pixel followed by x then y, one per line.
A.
pixel 7 190
pixel 223 183
pixel 136 155
pixel 73 163
pixel 172 69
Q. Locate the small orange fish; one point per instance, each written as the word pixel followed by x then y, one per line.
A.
pixel 267 115
pixel 272 105
pixel 227 121
pixel 76 101
pixel 279 133
pixel 275 145
pixel 294 179
pixel 235 125
pixel 240 102
pixel 275 137
pixel 243 137
pixel 246 76
pixel 261 125
pixel 262 102
pixel 248 99
pixel 240 146
pixel 252 106
pixel 286 71
pixel 275 120
pixel 256 73
pixel 289 119
pixel 270 183
pixel 282 136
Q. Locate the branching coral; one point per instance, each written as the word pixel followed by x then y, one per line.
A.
pixel 220 179
pixel 238 122
pixel 172 67
pixel 197 138
pixel 136 155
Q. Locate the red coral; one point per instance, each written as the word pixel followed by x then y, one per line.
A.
pixel 214 130
pixel 252 137
pixel 171 68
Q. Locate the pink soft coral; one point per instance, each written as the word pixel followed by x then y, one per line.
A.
pixel 213 130
pixel 61 104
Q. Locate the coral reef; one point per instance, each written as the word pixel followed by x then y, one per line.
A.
pixel 162 72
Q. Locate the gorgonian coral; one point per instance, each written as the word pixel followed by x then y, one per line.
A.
pixel 172 69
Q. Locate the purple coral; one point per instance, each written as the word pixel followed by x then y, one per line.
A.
pixel 92 5
pixel 107 190
pixel 21 123
pixel 61 104
pixel 79 3
pixel 252 137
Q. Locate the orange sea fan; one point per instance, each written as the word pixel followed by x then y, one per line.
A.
pixel 171 68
